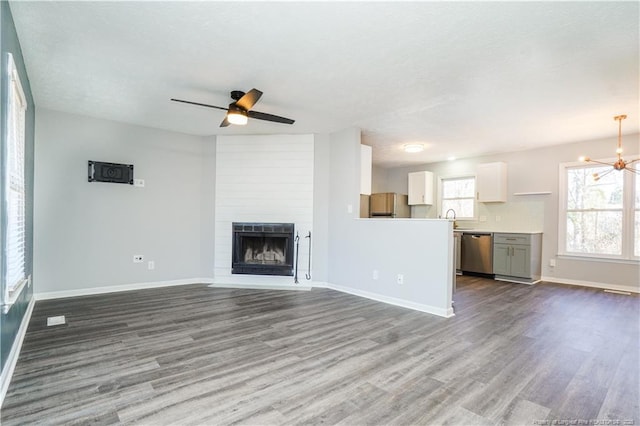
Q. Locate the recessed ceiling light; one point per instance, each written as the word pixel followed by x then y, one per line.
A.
pixel 414 147
pixel 451 158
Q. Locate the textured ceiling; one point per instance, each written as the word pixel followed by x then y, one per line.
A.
pixel 464 78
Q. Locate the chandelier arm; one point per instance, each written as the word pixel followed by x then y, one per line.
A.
pixel 620 118
pixel 599 162
pixel 598 176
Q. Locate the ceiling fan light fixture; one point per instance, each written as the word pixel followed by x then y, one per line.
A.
pixel 238 117
pixel 413 147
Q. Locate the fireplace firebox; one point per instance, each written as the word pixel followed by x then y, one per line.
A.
pixel 262 248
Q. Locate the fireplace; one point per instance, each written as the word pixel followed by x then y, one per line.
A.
pixel 262 248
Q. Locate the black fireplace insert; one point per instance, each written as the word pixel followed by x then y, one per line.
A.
pixel 262 248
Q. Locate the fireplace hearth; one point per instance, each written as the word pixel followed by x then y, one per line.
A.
pixel 262 248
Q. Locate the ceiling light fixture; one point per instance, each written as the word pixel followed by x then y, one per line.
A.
pixel 619 164
pixel 414 147
pixel 237 115
pixel 452 158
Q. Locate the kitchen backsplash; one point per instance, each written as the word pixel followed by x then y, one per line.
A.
pixel 512 216
pixel 525 216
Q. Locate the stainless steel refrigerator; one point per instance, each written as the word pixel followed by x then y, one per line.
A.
pixel 389 204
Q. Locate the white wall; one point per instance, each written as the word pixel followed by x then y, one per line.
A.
pixel 262 179
pixel 85 234
pixel 529 171
pixel 420 250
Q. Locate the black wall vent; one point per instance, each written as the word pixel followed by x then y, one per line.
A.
pixel 110 172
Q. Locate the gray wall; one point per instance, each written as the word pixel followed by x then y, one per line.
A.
pixel 378 179
pixel 321 199
pixel 10 322
pixel 208 207
pixel 87 233
pixel 420 250
pixel 344 189
pixel 528 171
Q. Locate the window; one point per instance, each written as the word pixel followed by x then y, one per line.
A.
pixel 599 218
pixel 458 193
pixel 15 245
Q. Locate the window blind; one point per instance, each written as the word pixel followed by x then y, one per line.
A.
pixel 15 248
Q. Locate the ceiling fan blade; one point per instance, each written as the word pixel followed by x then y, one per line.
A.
pixel 199 104
pixel 249 99
pixel 269 117
pixel 225 122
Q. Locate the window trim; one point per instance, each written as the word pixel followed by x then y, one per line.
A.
pixel 628 211
pixel 475 199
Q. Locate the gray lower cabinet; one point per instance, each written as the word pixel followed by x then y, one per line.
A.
pixel 517 257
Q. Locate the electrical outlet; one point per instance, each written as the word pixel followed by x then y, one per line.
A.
pixel 552 262
pixel 483 218
pixel 349 208
pixel 138 258
pixel 151 265
pixel 375 274
pixel 498 218
pixel 139 183
pixel 400 279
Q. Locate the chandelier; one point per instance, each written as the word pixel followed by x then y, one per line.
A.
pixel 619 164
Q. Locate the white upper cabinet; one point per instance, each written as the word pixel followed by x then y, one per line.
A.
pixel 420 188
pixel 491 182
pixel 365 169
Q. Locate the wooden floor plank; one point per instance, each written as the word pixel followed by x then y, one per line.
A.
pixel 513 354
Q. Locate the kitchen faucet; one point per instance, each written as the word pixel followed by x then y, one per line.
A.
pixel 446 215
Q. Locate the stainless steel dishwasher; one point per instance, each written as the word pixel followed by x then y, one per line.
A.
pixel 477 252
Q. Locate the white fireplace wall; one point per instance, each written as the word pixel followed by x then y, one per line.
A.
pixel 262 179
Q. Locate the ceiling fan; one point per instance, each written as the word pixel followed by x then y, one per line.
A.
pixel 240 109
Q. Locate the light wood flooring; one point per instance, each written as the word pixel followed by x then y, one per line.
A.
pixel 513 354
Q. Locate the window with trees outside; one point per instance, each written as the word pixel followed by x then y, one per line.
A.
pixel 459 194
pixel 599 218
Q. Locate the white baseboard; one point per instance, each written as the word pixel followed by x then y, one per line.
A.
pixel 447 313
pixel 603 286
pixel 118 288
pixel 12 359
pixel 516 281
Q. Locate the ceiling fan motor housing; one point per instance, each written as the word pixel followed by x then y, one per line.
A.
pixel 237 94
pixel 235 109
